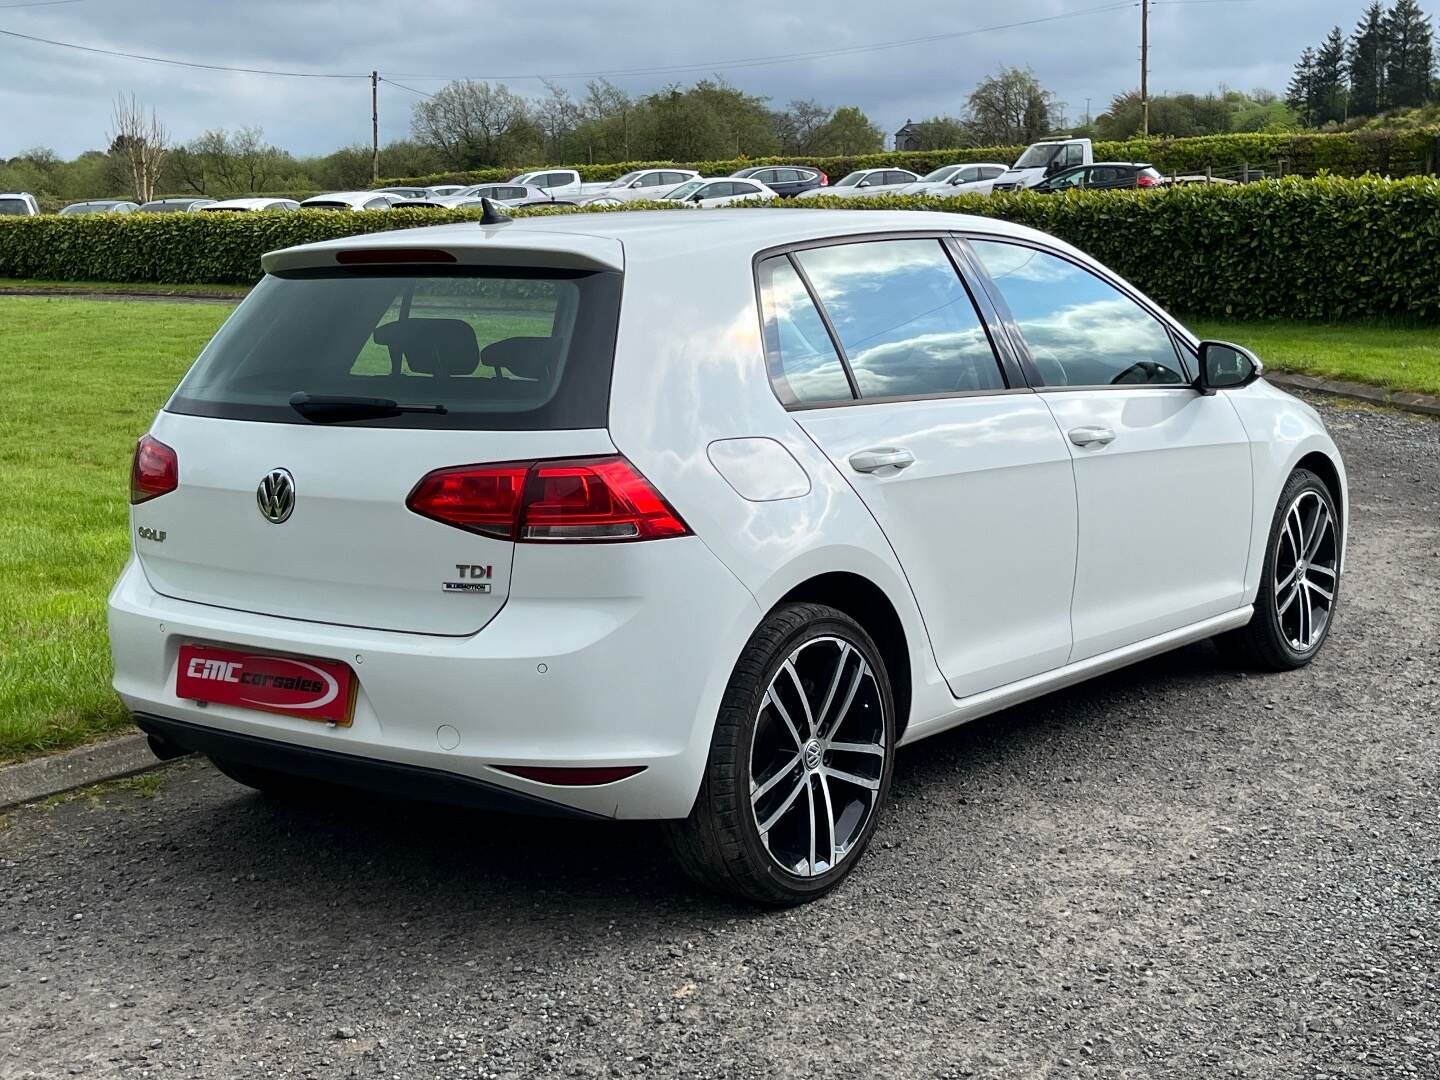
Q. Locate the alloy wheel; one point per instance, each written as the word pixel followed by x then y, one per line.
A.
pixel 1306 572
pixel 817 756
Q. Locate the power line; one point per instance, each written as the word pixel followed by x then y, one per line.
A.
pixel 785 58
pixel 39 3
pixel 402 86
pixel 181 63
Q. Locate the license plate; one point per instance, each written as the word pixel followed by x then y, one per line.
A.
pixel 309 688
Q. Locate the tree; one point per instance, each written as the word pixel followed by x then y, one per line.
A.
pixel 473 124
pixel 1011 108
pixel 798 124
pixel 558 116
pixel 1366 58
pixel 1300 95
pixel 141 142
pixel 1409 55
pixel 1175 115
pixel 941 133
pixel 1328 81
pixel 219 163
pixel 848 131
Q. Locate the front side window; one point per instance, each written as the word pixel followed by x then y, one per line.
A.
pixel 804 367
pixel 850 180
pixel 1081 330
pixel 903 317
pixel 685 190
pixel 1064 181
pixel 1074 154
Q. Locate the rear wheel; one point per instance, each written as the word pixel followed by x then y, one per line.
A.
pixel 1299 585
pixel 800 762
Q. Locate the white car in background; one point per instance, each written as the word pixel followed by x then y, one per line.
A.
pixel 864 182
pixel 444 189
pixel 970 178
pixel 558 182
pixel 250 206
pixel 18 204
pixel 720 191
pixel 643 184
pixel 350 200
pixel 742 504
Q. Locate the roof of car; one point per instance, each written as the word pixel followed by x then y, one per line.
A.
pixel 245 204
pixel 606 240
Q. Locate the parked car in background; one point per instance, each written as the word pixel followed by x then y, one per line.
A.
pixel 18 204
pixel 181 205
pixel 444 189
pixel 509 194
pixel 864 182
pixel 405 192
pixel 556 181
pixel 1044 159
pixel 1101 175
pixel 643 184
pixel 721 191
pixel 787 181
pixel 350 200
pixel 100 206
pixel 969 178
pixel 251 206
pixel 574 624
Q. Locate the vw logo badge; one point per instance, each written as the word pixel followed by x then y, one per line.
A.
pixel 276 496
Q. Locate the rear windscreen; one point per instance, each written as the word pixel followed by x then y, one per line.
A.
pixel 504 349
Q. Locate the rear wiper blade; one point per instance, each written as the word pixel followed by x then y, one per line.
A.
pixel 337 408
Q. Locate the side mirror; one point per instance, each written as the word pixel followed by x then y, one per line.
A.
pixel 635 184
pixel 1224 366
pixel 1053 167
pixel 696 197
pixel 863 183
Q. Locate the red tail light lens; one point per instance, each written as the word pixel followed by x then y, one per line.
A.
pixel 824 179
pixel 584 500
pixel 1144 181
pixel 154 471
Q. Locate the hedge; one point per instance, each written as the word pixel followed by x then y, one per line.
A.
pixel 1330 248
pixel 1353 153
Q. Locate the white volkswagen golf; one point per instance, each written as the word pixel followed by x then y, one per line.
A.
pixel 697 517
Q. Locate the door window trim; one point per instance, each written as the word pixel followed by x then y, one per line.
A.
pixel 1178 340
pixel 961 261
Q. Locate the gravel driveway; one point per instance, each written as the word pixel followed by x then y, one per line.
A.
pixel 1175 871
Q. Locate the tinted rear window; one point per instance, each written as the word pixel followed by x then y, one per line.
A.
pixel 15 207
pixel 499 349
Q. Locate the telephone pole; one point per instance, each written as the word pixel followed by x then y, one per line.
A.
pixel 375 127
pixel 1145 67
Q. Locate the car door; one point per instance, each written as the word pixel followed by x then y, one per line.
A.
pixel 716 194
pixel 1162 473
pixel 1105 176
pixel 881 352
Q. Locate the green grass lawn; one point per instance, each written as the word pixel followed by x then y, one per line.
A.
pixel 1397 357
pixel 236 292
pixel 80 380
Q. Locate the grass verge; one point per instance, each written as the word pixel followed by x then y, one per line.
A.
pixel 1395 357
pixel 236 292
pixel 81 381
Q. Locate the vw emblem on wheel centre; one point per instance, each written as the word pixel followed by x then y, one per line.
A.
pixel 276 496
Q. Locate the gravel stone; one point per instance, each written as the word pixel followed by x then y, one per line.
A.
pixel 1174 871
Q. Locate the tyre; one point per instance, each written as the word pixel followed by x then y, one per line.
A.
pixel 800 762
pixel 1299 584
pixel 267 780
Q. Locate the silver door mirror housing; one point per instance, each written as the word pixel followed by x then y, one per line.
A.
pixel 1226 366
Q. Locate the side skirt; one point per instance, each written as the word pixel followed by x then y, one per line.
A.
pixel 1002 697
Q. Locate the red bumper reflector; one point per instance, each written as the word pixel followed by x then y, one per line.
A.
pixel 583 777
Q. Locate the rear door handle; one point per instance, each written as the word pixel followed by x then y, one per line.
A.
pixel 1092 436
pixel 884 457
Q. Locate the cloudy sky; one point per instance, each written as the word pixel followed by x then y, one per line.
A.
pixel 60 97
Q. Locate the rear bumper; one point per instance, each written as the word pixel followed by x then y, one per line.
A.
pixel 630 674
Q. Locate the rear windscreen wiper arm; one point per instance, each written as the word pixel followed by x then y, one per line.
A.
pixel 337 408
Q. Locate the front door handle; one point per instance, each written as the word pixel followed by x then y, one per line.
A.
pixel 1092 436
pixel 884 457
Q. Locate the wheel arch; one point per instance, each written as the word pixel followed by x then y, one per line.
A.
pixel 1324 467
pixel 868 604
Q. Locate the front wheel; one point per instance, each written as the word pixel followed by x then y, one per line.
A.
pixel 1299 585
pixel 800 762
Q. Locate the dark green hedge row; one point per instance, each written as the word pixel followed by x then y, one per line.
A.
pixel 1394 153
pixel 1329 248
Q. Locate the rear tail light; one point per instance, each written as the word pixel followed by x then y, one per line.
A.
pixel 154 471
pixel 580 500
pixel 1144 181
pixel 824 179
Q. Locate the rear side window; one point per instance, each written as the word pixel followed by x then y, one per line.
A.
pixel 904 318
pixel 1080 329
pixel 804 367
pixel 497 349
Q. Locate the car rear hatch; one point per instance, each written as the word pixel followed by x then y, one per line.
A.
pixel 306 425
